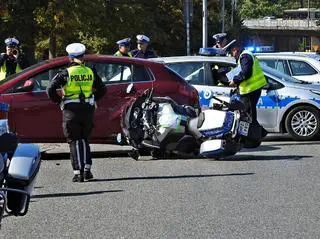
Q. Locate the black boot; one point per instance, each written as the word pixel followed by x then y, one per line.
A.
pixel 88 175
pixel 78 178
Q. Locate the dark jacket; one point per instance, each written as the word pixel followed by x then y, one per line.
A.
pixel 139 54
pixel 59 80
pixel 246 63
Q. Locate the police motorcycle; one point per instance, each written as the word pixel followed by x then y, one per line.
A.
pixel 231 130
pixel 166 129
pixel 157 126
pixel 19 165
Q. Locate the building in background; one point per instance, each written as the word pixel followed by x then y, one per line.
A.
pixel 297 30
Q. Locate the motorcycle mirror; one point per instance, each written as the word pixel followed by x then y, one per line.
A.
pixel 130 88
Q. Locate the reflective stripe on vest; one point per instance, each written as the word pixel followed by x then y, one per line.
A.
pixel 118 53
pixel 80 79
pixel 3 70
pixel 257 79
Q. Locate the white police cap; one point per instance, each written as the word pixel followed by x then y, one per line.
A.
pixel 11 41
pixel 142 39
pixel 219 37
pixel 124 42
pixel 75 49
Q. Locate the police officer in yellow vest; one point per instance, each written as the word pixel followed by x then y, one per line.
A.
pixel 81 87
pixel 12 61
pixel 250 80
pixel 124 48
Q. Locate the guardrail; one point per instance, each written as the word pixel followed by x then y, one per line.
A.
pixel 281 24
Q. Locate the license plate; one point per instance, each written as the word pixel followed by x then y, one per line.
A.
pixel 243 128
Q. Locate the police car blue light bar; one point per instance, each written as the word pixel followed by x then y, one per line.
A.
pixel 256 49
pixel 210 51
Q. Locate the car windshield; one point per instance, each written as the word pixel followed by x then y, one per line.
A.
pixel 23 71
pixel 190 71
pixel 282 76
pixel 186 69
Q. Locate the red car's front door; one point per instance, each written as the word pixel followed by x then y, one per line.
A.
pixel 107 120
pixel 35 118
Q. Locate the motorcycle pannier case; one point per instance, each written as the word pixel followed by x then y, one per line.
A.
pixel 218 148
pixel 22 172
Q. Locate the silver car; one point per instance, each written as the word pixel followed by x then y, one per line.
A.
pixel 286 104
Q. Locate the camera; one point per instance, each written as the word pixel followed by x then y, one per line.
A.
pixel 15 52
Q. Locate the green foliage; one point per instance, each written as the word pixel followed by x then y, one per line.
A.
pixel 45 26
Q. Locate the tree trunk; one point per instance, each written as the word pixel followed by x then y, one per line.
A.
pixel 301 3
pixel 52 46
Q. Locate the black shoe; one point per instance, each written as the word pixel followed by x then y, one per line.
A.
pixel 88 175
pixel 77 178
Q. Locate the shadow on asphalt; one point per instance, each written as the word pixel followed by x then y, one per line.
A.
pixel 169 177
pixel 296 143
pixel 56 195
pixel 100 154
pixel 261 148
pixel 262 158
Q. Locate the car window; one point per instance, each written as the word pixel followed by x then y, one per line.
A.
pixel 279 65
pixel 193 72
pixel 40 80
pixel 300 68
pixel 218 72
pixel 270 63
pixel 113 73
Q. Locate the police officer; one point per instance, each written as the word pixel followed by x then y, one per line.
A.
pixel 81 87
pixel 220 40
pixel 12 61
pixel 143 50
pixel 124 47
pixel 250 80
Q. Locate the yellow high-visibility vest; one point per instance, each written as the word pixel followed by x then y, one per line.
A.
pixel 3 70
pixel 257 79
pixel 80 80
pixel 118 53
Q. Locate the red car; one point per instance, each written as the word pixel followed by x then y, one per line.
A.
pixel 35 119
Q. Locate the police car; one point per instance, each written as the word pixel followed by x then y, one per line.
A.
pixel 304 67
pixel 286 104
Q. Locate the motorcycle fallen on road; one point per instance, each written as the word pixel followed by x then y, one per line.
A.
pixel 19 166
pixel 163 128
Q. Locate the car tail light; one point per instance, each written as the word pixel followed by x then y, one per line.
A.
pixel 195 98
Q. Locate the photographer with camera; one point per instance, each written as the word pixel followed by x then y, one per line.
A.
pixel 11 61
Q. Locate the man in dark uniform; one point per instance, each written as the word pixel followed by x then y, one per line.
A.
pixel 81 87
pixel 12 61
pixel 250 80
pixel 124 48
pixel 143 50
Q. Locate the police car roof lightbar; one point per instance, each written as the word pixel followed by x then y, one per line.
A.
pixel 213 51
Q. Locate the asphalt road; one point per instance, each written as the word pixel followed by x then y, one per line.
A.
pixel 272 192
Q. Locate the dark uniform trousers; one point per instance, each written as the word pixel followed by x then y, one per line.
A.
pixel 250 100
pixel 77 126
